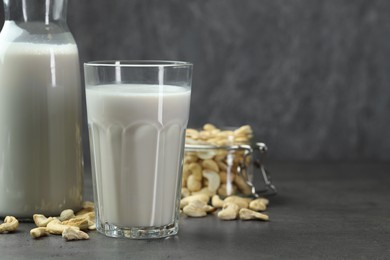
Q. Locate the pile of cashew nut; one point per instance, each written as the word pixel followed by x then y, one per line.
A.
pixel 70 225
pixel 232 207
pixel 216 170
pixel 210 134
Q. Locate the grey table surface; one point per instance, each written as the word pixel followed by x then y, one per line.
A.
pixel 322 211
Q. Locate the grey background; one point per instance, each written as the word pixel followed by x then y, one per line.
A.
pixel 310 76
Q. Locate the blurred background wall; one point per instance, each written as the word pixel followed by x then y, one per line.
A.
pixel 312 77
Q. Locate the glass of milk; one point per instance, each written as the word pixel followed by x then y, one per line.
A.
pixel 137 115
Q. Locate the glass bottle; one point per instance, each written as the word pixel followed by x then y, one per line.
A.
pixel 41 164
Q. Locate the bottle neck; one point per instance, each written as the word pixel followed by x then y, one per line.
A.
pixel 46 11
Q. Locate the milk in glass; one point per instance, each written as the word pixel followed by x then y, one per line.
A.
pixel 136 137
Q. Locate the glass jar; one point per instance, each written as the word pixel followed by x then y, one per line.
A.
pixel 225 166
pixel 40 111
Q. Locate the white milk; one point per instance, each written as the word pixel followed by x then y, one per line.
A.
pixel 40 122
pixel 136 136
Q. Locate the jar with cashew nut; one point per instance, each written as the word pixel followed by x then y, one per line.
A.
pixel 218 160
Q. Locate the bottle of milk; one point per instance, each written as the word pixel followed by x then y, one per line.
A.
pixel 40 111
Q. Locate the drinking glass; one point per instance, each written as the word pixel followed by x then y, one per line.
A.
pixel 137 115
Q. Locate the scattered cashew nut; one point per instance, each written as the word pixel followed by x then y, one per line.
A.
pixel 66 215
pixel 259 204
pixel 240 202
pixel 88 206
pixel 229 211
pixel 80 222
pixel 10 224
pixel 197 208
pixel 247 214
pixel 216 201
pixel 67 224
pixel 73 233
pixel 41 221
pixel 39 232
pixel 55 227
pixel 202 197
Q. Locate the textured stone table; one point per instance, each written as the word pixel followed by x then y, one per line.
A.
pixel 322 211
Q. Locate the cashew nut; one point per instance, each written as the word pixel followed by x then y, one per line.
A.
pixel 204 135
pixel 229 211
pixel 55 227
pixel 213 180
pixel 197 208
pixel 39 232
pixel 90 217
pixel 88 206
pixel 216 201
pixel 80 222
pixel 244 187
pixel 209 127
pixel 84 211
pixel 240 202
pixel 92 227
pixel 66 214
pixel 192 133
pixel 205 191
pixel 196 170
pixel 210 165
pixel 247 214
pixel 193 184
pixel 41 221
pixel 227 190
pixel 226 178
pixel 223 176
pixel 204 155
pixel 190 158
pixel 225 134
pixel 10 224
pixel 243 130
pixel 222 142
pixel 240 139
pixel 259 204
pixel 202 197
pixel 73 233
